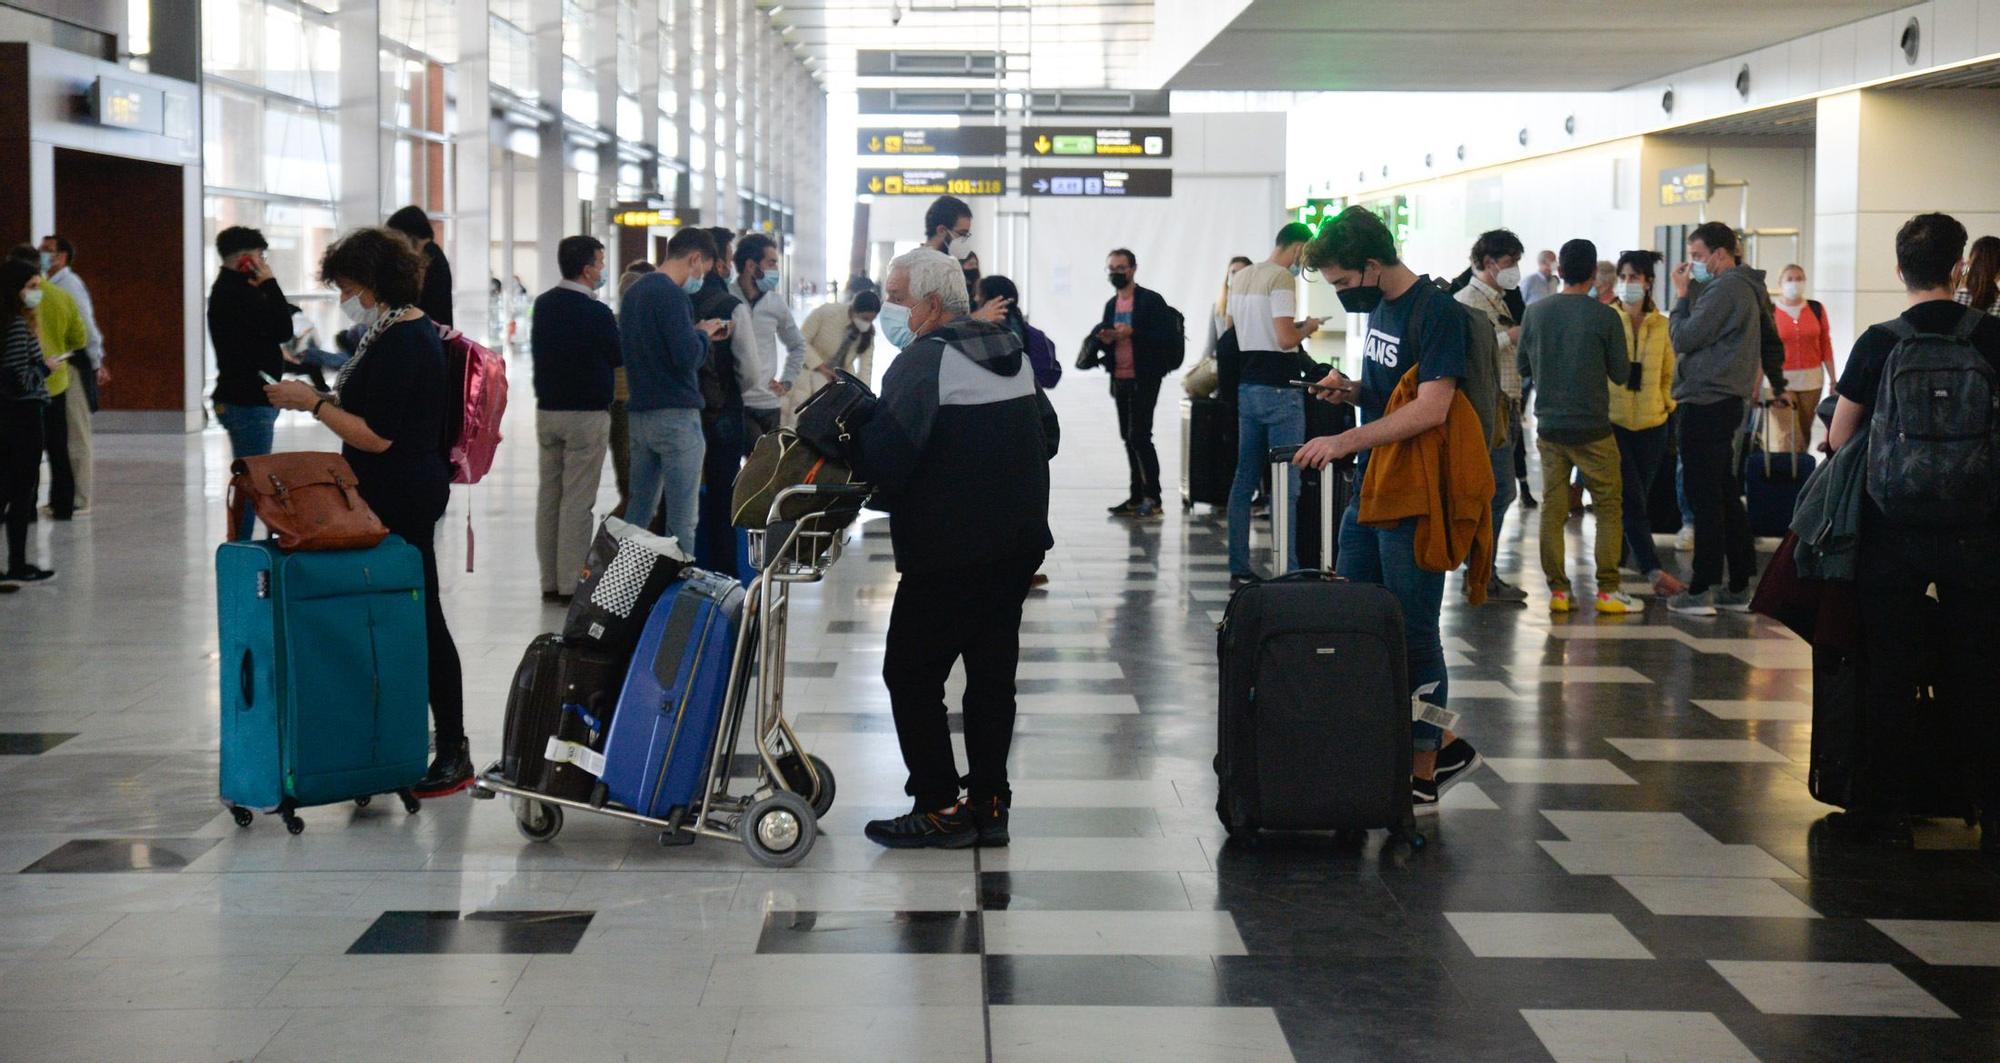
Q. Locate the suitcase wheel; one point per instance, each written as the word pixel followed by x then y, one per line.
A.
pixel 538 821
pixel 411 804
pixel 294 824
pixel 241 815
pixel 779 830
pixel 362 802
pixel 1415 839
pixel 797 781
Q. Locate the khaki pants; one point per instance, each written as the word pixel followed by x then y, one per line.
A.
pixel 1598 462
pixel 1792 430
pixel 573 443
pixel 79 432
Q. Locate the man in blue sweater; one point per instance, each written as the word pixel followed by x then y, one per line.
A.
pixel 664 349
pixel 575 344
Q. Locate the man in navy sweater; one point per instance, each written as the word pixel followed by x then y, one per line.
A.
pixel 664 351
pixel 575 344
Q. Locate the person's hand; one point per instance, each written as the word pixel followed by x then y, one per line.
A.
pixel 1319 453
pixel 780 388
pixel 1782 401
pixel 1683 275
pixel 290 356
pixel 1107 335
pixel 827 371
pixel 1123 332
pixel 1514 334
pixel 714 328
pixel 1311 325
pixel 1336 388
pixel 291 395
pixel 994 312
pixel 260 270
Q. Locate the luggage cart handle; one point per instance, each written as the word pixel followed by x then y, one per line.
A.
pixel 1278 454
pixel 815 490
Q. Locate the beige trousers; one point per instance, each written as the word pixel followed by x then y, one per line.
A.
pixel 79 432
pixel 573 445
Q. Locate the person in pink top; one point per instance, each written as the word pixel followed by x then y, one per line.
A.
pixel 1140 339
pixel 1808 358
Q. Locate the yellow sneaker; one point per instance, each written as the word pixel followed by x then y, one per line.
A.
pixel 1618 604
pixel 1559 602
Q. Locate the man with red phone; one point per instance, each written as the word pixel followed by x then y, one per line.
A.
pixel 249 321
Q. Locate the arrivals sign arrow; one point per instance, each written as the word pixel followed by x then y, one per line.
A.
pixel 964 181
pixel 1151 183
pixel 1043 144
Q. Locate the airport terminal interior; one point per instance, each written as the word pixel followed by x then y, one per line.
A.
pixel 1637 864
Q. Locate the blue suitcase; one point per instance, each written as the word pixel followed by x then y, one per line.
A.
pixel 325 678
pixel 657 757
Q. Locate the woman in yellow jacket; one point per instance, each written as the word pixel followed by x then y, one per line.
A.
pixel 1639 410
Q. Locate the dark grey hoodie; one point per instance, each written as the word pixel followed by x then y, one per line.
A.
pixel 1723 334
pixel 958 450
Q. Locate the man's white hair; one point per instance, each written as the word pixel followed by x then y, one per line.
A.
pixel 935 273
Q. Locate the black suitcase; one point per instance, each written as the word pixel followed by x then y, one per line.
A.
pixel 1313 721
pixel 560 692
pixel 1937 778
pixel 1208 451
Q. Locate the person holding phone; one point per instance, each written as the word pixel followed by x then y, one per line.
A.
pixel 249 322
pixel 1263 304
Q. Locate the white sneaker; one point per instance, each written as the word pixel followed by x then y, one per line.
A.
pixel 1684 541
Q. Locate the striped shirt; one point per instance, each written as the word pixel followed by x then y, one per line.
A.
pixel 23 374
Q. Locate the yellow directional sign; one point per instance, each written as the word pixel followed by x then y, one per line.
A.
pixel 1043 144
pixel 874 143
pixel 892 145
pixel 892 185
pixel 963 181
pixel 943 140
pixel 874 184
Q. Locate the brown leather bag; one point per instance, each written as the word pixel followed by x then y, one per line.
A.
pixel 310 500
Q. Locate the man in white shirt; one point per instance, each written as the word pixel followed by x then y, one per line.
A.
pixel 1269 411
pixel 57 255
pixel 771 322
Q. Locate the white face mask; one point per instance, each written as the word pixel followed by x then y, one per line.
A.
pixel 1631 293
pixel 959 247
pixel 355 313
pixel 861 325
pixel 31 298
pixel 1508 279
pixel 1792 290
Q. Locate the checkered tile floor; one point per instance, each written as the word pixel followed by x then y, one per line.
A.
pixel 1636 876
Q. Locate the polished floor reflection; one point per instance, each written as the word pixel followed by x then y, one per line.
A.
pixel 1635 875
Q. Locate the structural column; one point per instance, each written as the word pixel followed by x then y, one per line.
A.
pixel 472 148
pixel 360 185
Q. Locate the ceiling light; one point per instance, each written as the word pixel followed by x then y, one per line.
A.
pixel 775 10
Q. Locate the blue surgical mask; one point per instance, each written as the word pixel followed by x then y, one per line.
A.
pixel 1699 271
pixel 1295 269
pixel 894 322
pixel 48 262
pixel 768 282
pixel 692 285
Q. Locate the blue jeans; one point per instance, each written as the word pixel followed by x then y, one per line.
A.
pixel 667 451
pixel 249 429
pixel 1266 417
pixel 1388 556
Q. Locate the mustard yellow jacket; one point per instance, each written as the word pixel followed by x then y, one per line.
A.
pixel 62 333
pixel 1649 406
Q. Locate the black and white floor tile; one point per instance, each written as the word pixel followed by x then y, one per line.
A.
pixel 1635 876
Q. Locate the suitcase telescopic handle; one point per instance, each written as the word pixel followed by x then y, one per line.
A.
pixel 1281 507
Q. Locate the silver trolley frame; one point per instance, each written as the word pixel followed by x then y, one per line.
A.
pixel 776 819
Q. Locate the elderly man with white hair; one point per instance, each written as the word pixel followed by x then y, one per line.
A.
pixel 958 451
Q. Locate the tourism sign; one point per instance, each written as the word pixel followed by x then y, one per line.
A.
pixel 1097 142
pixel 1098 184
pixel 964 181
pixel 962 140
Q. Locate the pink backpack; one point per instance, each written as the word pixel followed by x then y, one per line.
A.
pixel 473 425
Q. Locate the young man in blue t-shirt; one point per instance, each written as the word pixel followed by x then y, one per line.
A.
pixel 1356 254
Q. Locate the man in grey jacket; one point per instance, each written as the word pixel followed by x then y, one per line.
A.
pixel 1723 335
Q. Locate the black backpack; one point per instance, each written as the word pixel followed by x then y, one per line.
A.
pixel 1934 441
pixel 720 390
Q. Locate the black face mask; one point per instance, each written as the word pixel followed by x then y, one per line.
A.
pixel 971 279
pixel 1360 299
pixel 1119 280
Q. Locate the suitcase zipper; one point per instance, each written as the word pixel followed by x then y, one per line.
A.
pixel 680 714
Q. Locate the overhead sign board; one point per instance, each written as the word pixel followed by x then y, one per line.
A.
pixel 1315 212
pixel 1097 142
pixel 963 140
pixel 964 181
pixel 1685 184
pixel 1099 184
pixel 127 105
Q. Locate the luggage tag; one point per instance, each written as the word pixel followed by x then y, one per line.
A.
pixel 1422 711
pixel 561 752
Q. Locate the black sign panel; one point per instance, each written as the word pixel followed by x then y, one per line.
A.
pixel 964 181
pixel 1098 184
pixel 964 140
pixel 1097 142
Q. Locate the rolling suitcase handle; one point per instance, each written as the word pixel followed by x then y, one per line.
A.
pixel 1281 507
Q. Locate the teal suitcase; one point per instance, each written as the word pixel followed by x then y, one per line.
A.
pixel 325 680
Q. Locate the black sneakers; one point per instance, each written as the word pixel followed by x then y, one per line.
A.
pixel 450 772
pixel 1454 762
pixel 1127 508
pixel 954 829
pixel 990 816
pixel 23 575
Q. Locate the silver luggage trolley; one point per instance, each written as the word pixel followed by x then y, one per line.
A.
pixel 777 819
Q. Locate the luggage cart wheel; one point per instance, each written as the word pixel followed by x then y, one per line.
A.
pixel 294 824
pixel 241 815
pixel 538 820
pixel 779 830
pixel 410 802
pixel 362 802
pixel 796 781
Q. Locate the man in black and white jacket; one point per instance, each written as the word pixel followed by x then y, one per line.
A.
pixel 958 451
pixel 1141 339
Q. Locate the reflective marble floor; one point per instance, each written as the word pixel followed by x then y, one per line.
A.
pixel 1635 876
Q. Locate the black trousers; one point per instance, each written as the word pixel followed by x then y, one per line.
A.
pixel 939 617
pixel 1906 646
pixel 715 533
pixel 447 678
pixel 1715 491
pixel 1136 400
pixel 21 434
pixel 55 439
